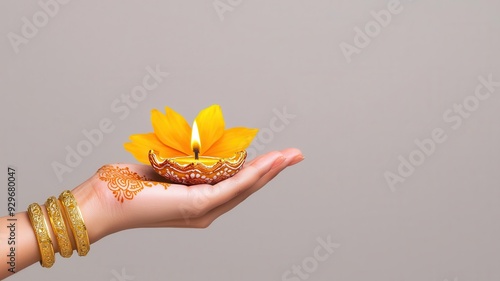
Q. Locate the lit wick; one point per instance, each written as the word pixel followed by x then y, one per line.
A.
pixel 196 152
pixel 195 141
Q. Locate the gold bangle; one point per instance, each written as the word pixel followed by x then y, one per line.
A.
pixel 59 226
pixel 37 219
pixel 76 223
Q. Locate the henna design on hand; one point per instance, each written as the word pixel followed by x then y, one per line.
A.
pixel 125 184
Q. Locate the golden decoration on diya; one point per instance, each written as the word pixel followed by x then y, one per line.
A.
pixel 203 153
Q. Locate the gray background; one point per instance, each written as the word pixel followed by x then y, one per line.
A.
pixel 352 121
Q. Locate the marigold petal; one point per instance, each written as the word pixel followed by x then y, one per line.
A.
pixel 141 144
pixel 172 130
pixel 211 126
pixel 232 141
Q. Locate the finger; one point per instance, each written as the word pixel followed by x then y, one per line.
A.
pixel 247 177
pixel 248 163
pixel 293 156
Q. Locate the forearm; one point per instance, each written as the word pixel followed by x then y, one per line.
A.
pixel 19 247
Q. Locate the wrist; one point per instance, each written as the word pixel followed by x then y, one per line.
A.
pixel 99 220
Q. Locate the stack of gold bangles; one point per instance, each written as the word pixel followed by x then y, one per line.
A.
pixel 61 213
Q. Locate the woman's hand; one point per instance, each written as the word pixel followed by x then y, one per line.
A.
pixel 124 196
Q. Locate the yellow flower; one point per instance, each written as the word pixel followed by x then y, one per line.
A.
pixel 172 136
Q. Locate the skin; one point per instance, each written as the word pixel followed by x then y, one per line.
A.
pixel 154 203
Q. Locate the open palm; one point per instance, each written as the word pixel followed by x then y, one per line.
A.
pixel 133 195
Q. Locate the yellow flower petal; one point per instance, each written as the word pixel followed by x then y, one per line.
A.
pixel 172 136
pixel 141 144
pixel 232 141
pixel 172 130
pixel 211 127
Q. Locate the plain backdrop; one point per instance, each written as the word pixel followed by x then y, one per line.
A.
pixel 354 116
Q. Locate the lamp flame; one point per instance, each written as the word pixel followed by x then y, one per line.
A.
pixel 195 139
